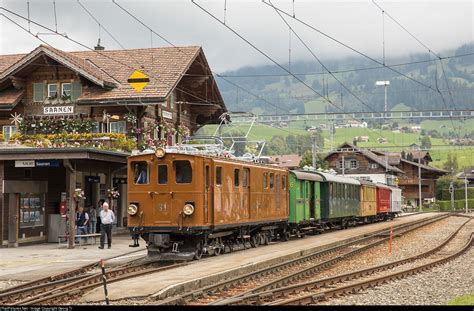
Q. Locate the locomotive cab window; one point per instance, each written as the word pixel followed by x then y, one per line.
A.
pixel 245 181
pixel 283 182
pixel 140 172
pixel 265 182
pixel 272 177
pixel 162 174
pixel 184 171
pixel 218 176
pixel 236 177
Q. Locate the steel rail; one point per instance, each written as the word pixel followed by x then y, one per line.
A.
pixel 80 286
pixel 227 284
pixel 354 288
pixel 257 296
pixel 61 276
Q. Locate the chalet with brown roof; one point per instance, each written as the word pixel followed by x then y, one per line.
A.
pixel 388 168
pixel 84 95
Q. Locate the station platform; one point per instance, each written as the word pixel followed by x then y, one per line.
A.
pixel 26 263
pixel 212 269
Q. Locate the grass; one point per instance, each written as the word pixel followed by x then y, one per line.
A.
pixel 467 300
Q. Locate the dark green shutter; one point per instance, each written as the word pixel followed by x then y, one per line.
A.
pixel 38 92
pixel 76 90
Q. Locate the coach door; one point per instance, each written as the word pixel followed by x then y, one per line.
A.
pixel 246 191
pixel 207 192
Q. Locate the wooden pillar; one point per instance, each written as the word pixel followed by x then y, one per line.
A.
pixel 108 184
pixel 12 220
pixel 70 187
pixel 2 202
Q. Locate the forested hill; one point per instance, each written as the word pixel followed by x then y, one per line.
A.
pixel 289 95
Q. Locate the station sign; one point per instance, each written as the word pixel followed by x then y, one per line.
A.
pixel 58 110
pixel 25 163
pixel 93 179
pixel 37 163
pixel 167 114
pixel 47 163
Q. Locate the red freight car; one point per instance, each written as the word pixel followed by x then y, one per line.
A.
pixel 383 200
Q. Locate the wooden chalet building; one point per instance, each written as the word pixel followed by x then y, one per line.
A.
pixel 48 89
pixel 399 169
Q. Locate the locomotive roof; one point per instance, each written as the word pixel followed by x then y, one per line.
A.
pixel 338 179
pixel 216 158
pixel 307 175
pixel 366 182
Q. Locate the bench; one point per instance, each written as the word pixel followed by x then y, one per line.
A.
pixel 83 238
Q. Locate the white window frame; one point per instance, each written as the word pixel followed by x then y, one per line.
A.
pixel 70 89
pixel 114 127
pixel 50 84
pixel 356 164
pixel 8 131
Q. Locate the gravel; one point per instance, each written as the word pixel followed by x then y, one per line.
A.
pixel 436 286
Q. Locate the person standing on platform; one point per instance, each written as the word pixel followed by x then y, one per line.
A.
pixel 82 219
pixel 92 219
pixel 107 218
pixel 99 209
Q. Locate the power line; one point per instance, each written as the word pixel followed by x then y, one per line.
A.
pixel 347 46
pixel 170 43
pixel 267 56
pixel 320 62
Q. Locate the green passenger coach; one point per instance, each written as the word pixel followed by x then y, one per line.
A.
pixel 305 207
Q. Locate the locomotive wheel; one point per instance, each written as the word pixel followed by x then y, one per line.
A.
pixel 285 236
pixel 298 234
pixel 198 252
pixel 217 251
pixel 255 240
pixel 266 239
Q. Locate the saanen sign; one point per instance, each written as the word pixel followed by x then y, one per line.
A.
pixel 58 110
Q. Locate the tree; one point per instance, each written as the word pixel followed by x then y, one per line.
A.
pixel 426 142
pixel 443 183
pixel 451 164
pixel 307 160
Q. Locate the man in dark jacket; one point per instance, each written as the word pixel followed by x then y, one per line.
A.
pixel 82 218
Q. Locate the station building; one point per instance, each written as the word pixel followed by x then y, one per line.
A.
pixel 68 120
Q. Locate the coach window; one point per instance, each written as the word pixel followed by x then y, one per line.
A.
pixel 218 176
pixel 162 174
pixel 265 182
pixel 140 172
pixel 283 182
pixel 272 177
pixel 184 172
pixel 245 181
pixel 236 177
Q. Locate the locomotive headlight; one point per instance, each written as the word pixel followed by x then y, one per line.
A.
pixel 160 152
pixel 188 209
pixel 132 209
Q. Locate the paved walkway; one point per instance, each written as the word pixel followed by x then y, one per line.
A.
pixel 214 269
pixel 27 263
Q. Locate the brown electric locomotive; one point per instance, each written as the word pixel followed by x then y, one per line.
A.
pixel 187 205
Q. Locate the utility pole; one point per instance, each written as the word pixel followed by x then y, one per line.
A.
pixel 451 190
pixel 419 182
pixel 465 190
pixel 343 166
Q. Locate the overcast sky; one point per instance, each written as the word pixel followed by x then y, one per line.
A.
pixel 440 25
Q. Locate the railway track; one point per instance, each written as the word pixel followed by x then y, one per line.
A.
pixel 313 291
pixel 292 270
pixel 61 287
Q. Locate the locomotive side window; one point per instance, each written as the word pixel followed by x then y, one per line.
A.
pixel 218 175
pixel 184 172
pixel 162 174
pixel 272 177
pixel 283 182
pixel 265 182
pixel 245 181
pixel 140 172
pixel 236 177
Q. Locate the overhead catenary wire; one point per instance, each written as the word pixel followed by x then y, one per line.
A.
pixel 173 45
pixel 271 59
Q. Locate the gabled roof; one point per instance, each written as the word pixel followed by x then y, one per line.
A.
pixel 109 71
pixel 9 98
pixel 367 153
pixel 81 66
pixel 425 167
